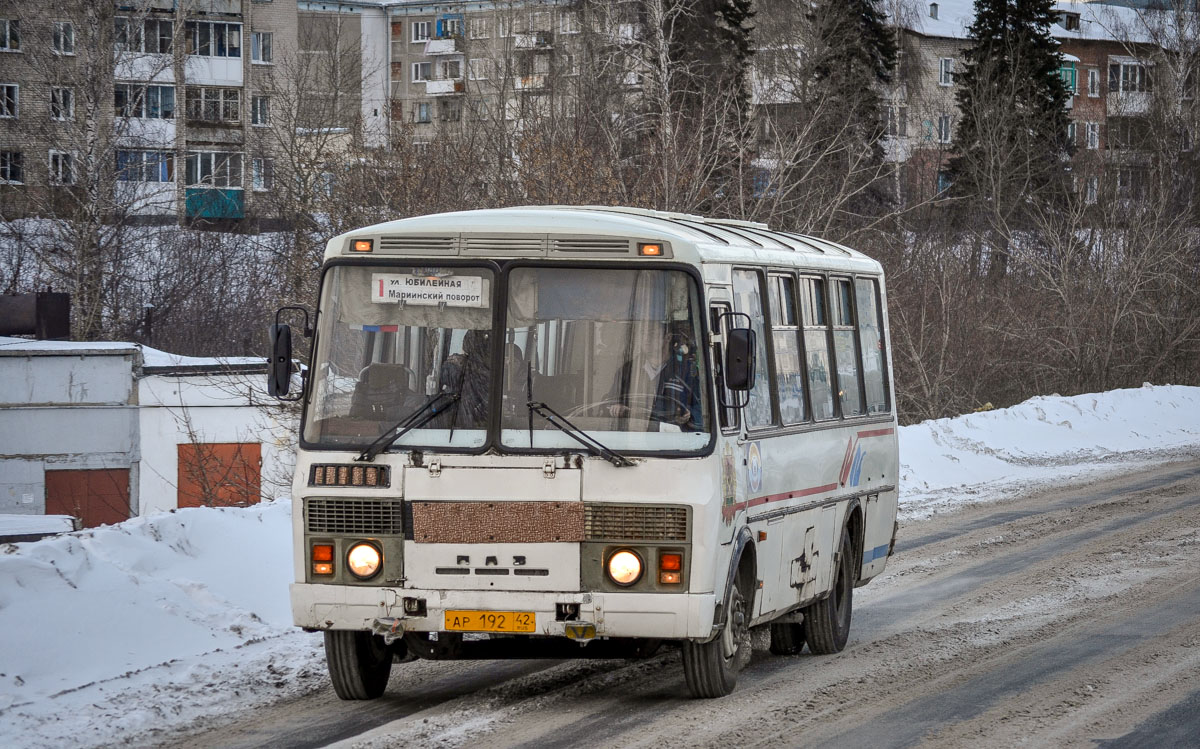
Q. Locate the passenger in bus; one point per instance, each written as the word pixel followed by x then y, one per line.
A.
pixel 677 385
pixel 469 374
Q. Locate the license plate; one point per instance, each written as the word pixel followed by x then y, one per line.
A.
pixel 490 621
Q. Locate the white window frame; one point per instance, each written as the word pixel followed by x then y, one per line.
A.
pixel 261 174
pixel 261 43
pixel 63 41
pixel 419 31
pixel 211 157
pixel 56 161
pixel 6 35
pixel 147 160
pixel 568 22
pixel 945 71
pixel 1092 131
pixel 62 99
pixel 1072 133
pixel 477 65
pixel 260 110
pixel 944 133
pixel 417 67
pixel 445 72
pixel 1129 62
pixel 1091 190
pixel 16 101
pixel 194 38
pixel 479 27
pixel 6 176
pixel 422 106
pixel 452 27
pixel 1093 75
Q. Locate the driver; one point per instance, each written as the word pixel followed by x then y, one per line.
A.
pixel 470 375
pixel 677 384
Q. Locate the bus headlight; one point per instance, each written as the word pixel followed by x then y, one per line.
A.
pixel 363 560
pixel 625 567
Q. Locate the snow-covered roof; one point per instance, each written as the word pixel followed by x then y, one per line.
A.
pixel 1097 20
pixel 152 358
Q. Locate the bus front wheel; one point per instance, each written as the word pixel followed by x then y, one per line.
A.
pixel 711 668
pixel 827 622
pixel 359 664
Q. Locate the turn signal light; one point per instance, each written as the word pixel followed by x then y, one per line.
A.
pixel 650 250
pixel 322 557
pixel 669 578
pixel 362 245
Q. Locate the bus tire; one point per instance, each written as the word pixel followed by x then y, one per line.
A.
pixel 359 664
pixel 787 638
pixel 827 622
pixel 710 668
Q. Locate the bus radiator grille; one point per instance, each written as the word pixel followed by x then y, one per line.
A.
pixel 354 517
pixel 611 522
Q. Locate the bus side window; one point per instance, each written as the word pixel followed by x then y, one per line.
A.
pixel 870 336
pixel 816 346
pixel 720 325
pixel 747 298
pixel 845 348
pixel 785 334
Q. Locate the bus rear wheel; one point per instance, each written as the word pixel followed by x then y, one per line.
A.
pixel 827 622
pixel 711 668
pixel 787 638
pixel 359 664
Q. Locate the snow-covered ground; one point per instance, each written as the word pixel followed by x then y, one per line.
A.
pixel 162 620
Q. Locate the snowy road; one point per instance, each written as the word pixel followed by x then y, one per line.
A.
pixel 1060 618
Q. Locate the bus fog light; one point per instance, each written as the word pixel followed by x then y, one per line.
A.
pixel 670 578
pixel 364 560
pixel 625 567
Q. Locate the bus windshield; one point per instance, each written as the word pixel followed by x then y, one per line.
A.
pixel 613 351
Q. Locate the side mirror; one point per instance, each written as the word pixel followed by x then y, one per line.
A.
pixel 739 358
pixel 279 366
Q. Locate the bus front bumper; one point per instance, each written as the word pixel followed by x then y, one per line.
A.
pixel 652 615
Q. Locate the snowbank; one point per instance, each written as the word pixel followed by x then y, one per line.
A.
pixel 1048 439
pixel 158 621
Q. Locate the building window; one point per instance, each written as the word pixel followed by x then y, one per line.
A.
pixel 478 69
pixel 943 128
pixel 213 169
pixel 1128 77
pixel 152 35
pixel 62 168
pixel 1092 131
pixel 10 99
pixel 568 22
pixel 1069 21
pixel 62 104
pixel 451 70
pixel 10 35
pixel 214 104
pixel 422 71
pixel 262 173
pixel 933 10
pixel 1093 82
pixel 260 47
pixel 260 111
pixel 209 39
pixel 1069 78
pixel 480 28
pixel 145 166
pixel 1091 190
pixel 450 110
pixel 570 65
pixel 946 71
pixel 64 38
pixel 153 102
pixel 422 112
pixel 420 31
pixel 1071 134
pixel 10 168
pixel 449 27
pixel 897 121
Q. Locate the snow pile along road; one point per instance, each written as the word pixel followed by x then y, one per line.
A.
pixel 1045 440
pixel 156 621
pixel 179 617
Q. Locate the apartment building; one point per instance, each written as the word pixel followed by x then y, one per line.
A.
pixel 158 98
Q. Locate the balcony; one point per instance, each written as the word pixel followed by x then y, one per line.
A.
pixel 530 82
pixel 211 202
pixel 435 47
pixel 1125 103
pixel 446 87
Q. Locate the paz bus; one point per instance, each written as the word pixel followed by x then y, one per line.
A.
pixel 587 432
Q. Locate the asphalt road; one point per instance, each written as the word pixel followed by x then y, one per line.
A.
pixel 1065 618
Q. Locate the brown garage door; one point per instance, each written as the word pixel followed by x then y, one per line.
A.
pixel 95 496
pixel 220 474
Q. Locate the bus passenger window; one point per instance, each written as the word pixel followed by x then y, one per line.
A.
pixel 816 346
pixel 870 326
pixel 845 348
pixel 748 300
pixel 785 334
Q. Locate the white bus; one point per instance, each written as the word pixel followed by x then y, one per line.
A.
pixel 530 430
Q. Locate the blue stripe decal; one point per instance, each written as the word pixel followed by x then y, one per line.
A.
pixel 878 552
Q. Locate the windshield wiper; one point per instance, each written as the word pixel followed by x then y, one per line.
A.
pixel 419 418
pixel 594 447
